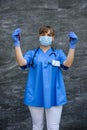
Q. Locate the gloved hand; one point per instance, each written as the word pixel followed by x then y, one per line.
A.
pixel 73 39
pixel 16 37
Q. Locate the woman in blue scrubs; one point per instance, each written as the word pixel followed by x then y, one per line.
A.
pixel 45 89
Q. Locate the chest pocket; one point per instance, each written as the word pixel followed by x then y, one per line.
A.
pixel 52 60
pixel 56 63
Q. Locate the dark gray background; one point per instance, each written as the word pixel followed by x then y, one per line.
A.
pixel 64 16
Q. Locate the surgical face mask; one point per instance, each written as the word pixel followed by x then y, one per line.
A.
pixel 45 40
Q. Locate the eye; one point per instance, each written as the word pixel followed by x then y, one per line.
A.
pixel 49 35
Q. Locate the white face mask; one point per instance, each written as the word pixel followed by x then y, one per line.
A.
pixel 45 40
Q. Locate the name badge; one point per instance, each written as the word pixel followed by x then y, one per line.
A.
pixel 56 63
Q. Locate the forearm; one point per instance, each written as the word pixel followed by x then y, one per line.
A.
pixel 16 38
pixel 19 56
pixel 70 58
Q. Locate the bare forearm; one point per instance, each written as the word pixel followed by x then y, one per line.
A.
pixel 19 56
pixel 70 58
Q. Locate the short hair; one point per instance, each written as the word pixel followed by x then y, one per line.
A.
pixel 45 29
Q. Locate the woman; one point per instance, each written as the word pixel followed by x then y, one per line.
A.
pixel 45 89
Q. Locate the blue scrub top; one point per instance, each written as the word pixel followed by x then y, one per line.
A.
pixel 45 86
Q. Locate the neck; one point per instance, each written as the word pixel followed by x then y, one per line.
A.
pixel 45 48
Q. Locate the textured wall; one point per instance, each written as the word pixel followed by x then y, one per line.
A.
pixel 29 15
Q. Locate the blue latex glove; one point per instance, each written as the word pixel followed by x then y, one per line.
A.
pixel 73 39
pixel 16 37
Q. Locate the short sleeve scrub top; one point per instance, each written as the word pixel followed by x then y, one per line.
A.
pixel 45 85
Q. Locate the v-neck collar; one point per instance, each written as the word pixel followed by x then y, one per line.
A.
pixel 49 50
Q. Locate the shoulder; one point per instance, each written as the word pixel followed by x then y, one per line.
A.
pixel 59 51
pixel 60 54
pixel 32 51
